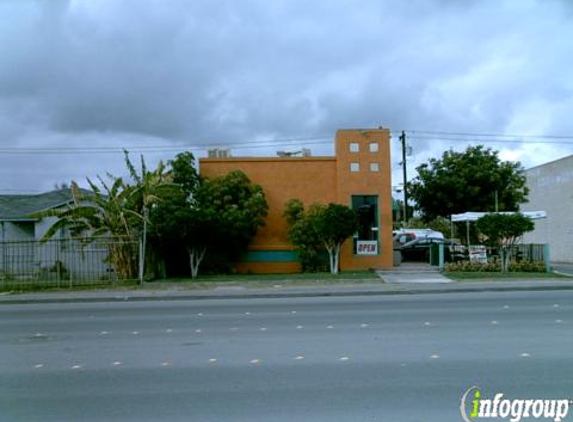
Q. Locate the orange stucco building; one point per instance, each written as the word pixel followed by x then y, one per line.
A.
pixel 357 176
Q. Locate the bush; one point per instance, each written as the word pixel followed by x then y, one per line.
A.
pixel 472 267
pixel 492 267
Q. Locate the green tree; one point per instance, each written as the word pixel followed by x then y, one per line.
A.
pixel 503 231
pixel 115 209
pixel 473 180
pixel 241 207
pixel 178 219
pixel 219 216
pixel 147 190
pixel 103 213
pixel 329 225
pixel 311 250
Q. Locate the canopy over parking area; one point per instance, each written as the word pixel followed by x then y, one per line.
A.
pixel 475 216
pixel 471 216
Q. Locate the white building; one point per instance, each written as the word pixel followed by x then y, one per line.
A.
pixel 551 190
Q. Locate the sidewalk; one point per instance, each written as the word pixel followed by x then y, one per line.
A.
pixel 284 291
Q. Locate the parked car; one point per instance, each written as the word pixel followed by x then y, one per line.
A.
pixel 404 236
pixel 419 249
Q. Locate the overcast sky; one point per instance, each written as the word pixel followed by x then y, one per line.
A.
pixel 163 76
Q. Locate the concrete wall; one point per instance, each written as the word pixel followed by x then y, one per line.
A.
pixel 317 180
pixel 551 190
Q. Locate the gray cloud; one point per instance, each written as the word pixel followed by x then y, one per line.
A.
pixel 204 72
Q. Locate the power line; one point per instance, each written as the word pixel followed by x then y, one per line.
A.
pixel 490 135
pixel 493 141
pixel 315 140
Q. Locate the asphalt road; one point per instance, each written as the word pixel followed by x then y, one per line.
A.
pixel 393 358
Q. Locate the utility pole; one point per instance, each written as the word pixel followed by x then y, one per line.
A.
pixel 403 141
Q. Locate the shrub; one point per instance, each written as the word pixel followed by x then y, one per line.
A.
pixel 491 267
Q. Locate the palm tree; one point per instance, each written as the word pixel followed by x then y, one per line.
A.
pixel 147 191
pixel 117 210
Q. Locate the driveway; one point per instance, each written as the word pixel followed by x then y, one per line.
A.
pixel 562 267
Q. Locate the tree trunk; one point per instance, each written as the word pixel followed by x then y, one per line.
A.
pixel 336 258
pixel 333 255
pixel 196 255
pixel 506 259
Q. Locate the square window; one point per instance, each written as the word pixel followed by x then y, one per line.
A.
pixel 374 167
pixel 354 167
pixel 354 147
pixel 374 147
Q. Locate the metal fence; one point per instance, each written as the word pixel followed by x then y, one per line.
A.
pixel 534 253
pixel 67 262
pixel 531 253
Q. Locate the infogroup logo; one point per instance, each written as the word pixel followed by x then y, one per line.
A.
pixel 474 407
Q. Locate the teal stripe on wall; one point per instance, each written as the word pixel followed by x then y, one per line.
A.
pixel 271 256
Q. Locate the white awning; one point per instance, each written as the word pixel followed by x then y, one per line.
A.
pixel 474 216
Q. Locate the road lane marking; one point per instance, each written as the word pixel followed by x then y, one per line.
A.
pixel 77 366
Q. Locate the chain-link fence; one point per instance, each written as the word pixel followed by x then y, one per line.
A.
pixel 67 262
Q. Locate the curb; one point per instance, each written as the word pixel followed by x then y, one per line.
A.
pixel 284 295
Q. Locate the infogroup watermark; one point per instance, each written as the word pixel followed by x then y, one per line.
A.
pixel 474 407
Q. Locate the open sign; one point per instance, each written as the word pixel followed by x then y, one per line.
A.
pixel 367 247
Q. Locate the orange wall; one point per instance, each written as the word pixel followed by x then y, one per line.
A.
pixel 318 180
pixel 366 182
pixel 311 180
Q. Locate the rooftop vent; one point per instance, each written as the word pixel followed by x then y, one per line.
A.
pixel 219 153
pixel 305 152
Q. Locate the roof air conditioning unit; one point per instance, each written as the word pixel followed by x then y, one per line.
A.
pixel 219 153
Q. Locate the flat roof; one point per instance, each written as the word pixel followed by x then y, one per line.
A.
pixel 268 159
